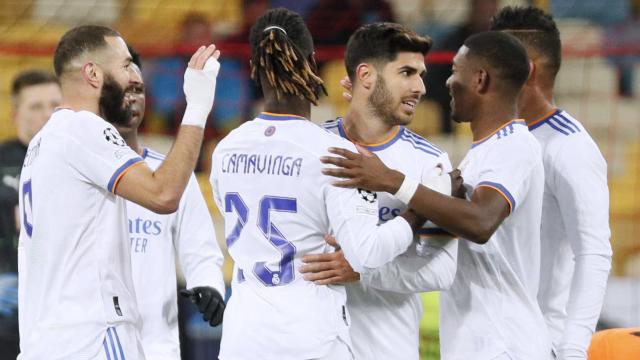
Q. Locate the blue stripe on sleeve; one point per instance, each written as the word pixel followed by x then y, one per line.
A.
pixel 120 170
pixel 503 190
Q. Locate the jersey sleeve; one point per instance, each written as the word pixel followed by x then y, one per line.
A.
pixel 579 182
pixel 195 241
pixel 353 217
pixel 508 167
pixel 429 267
pixel 98 153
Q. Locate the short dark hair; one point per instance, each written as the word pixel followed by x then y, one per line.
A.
pixel 381 42
pixel 135 57
pixel 503 53
pixel 31 78
pixel 535 29
pixel 282 51
pixel 79 40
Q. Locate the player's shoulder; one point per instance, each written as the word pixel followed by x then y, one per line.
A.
pixel 420 145
pixel 557 126
pixel 513 140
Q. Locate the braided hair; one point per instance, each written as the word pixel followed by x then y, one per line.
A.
pixel 281 52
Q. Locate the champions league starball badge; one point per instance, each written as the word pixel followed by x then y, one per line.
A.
pixel 367 195
pixel 113 137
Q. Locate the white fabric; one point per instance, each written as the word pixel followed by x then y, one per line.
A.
pixel 199 90
pixel 491 307
pixel 155 241
pixel 270 168
pixel 576 253
pixel 75 265
pixel 122 343
pixel 385 306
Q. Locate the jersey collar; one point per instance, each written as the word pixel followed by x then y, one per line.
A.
pixel 279 117
pixel 373 147
pixel 539 122
pixel 503 130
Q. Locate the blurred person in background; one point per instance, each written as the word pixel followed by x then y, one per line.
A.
pixel 332 22
pixel 575 253
pixel 34 96
pixel 478 20
pixel 157 239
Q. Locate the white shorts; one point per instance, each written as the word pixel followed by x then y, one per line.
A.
pixel 339 351
pixel 121 342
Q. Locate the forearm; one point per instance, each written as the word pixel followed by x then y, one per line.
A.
pixel 173 175
pixel 585 303
pixel 460 217
pixel 369 248
pixel 411 273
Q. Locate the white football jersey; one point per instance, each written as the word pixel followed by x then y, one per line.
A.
pixel 74 264
pixel 491 309
pixel 155 241
pixel 575 232
pixel 278 207
pixel 384 305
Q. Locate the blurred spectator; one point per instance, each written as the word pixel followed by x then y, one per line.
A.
pixel 477 21
pixel 623 47
pixel 252 9
pixel 331 22
pixel 34 96
pixel 302 7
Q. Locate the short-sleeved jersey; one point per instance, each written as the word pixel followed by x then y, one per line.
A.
pixel 278 206
pixel 385 324
pixel 156 240
pixel 491 308
pixel 575 231
pixel 74 264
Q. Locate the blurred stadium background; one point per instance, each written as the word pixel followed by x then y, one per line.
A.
pixel 598 84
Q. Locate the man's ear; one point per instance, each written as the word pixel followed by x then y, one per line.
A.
pixel 92 74
pixel 366 75
pixel 482 81
pixel 533 70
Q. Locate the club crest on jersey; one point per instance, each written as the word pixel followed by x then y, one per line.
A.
pixel 112 136
pixel 270 131
pixel 367 195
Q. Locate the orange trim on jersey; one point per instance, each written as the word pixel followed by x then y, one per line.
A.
pixel 387 140
pixel 501 193
pixel 500 128
pixel 283 115
pixel 115 183
pixel 543 118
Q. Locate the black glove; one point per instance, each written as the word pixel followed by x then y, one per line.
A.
pixel 209 302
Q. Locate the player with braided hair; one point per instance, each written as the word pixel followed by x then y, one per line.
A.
pixel 267 182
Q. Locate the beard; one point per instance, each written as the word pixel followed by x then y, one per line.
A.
pixel 111 102
pixel 381 103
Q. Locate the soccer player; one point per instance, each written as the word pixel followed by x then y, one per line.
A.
pixel 491 311
pixel 385 63
pixel 278 206
pixel 576 253
pixel 157 238
pixel 34 95
pixel 76 297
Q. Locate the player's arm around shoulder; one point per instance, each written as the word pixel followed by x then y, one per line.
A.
pixel 160 191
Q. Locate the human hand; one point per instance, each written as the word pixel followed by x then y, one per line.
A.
pixel 328 268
